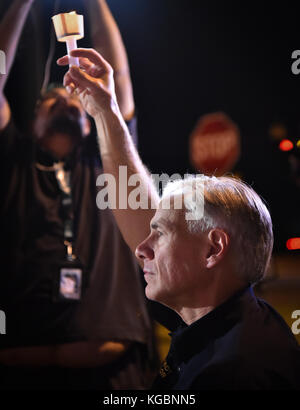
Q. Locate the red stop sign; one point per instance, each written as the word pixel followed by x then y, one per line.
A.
pixel 214 144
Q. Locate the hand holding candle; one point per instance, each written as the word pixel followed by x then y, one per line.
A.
pixel 69 28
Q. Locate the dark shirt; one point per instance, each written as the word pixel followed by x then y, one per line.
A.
pixel 113 305
pixel 242 344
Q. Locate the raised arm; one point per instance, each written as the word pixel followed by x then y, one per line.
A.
pixel 95 86
pixel 11 28
pixel 107 40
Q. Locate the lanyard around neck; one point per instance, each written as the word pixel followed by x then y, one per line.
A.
pixel 63 178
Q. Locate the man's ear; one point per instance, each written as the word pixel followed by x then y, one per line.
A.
pixel 218 247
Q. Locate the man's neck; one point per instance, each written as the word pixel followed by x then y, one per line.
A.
pixel 208 299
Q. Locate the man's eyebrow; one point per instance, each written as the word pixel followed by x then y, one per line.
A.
pixel 159 222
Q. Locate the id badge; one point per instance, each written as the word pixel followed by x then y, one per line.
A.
pixel 69 282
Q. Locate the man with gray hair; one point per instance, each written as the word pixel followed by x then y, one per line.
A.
pixel 231 205
pixel 202 266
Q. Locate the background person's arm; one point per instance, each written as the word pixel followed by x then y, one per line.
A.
pixel 11 28
pixel 107 40
pixel 79 354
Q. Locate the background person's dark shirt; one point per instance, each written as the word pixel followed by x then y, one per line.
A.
pixel 242 344
pixel 32 242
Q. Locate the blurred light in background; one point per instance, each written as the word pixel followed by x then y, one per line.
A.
pixel 286 145
pixel 293 243
pixel 278 131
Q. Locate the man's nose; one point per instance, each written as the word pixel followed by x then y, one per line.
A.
pixel 144 250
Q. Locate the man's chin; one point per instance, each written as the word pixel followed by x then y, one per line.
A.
pixel 149 293
pixel 59 146
pixel 152 294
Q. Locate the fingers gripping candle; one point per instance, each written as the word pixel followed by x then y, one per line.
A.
pixel 69 28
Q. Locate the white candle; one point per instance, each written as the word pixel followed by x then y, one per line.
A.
pixel 69 28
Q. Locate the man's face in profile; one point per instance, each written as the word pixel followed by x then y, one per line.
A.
pixel 173 258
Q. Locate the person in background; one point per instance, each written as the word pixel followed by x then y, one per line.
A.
pixel 100 336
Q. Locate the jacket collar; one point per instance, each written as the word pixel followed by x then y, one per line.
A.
pixel 189 339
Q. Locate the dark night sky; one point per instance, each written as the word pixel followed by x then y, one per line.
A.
pixel 191 57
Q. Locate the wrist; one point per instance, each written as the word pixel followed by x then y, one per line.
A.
pixel 111 114
pixel 111 131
